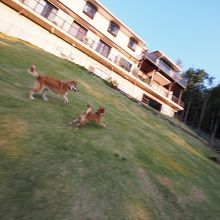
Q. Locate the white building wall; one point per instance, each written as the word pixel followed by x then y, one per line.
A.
pixel 75 5
pixel 167 110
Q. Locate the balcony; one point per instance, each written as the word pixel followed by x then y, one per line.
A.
pixel 176 100
pixel 166 69
pixel 159 89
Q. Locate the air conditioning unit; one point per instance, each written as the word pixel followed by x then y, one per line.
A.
pixel 85 39
pixel 88 41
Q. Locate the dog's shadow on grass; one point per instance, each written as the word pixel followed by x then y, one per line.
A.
pixel 51 99
pixel 88 126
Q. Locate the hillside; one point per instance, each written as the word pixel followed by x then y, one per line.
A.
pixel 139 167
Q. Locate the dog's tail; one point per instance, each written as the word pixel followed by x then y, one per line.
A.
pixel 32 71
pixel 89 109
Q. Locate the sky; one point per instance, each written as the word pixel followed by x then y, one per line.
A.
pixel 185 30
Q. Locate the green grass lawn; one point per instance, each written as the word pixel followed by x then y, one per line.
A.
pixel 139 167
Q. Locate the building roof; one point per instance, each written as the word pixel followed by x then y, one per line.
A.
pixel 167 60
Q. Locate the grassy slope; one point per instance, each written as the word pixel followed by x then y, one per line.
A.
pixel 138 167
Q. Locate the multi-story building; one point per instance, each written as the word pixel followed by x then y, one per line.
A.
pixel 86 33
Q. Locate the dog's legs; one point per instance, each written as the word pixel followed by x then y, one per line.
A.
pixel 79 121
pixel 82 121
pixel 31 95
pixel 102 124
pixel 44 94
pixel 38 88
pixel 65 98
pixel 73 122
pixel 36 84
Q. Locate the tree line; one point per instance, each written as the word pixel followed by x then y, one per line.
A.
pixel 202 103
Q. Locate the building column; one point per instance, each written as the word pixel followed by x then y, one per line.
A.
pixel 170 92
pixel 170 87
pixel 180 96
pixel 152 78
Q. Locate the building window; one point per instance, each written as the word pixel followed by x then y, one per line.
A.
pixel 46 9
pixel 77 31
pixel 113 28
pixel 90 10
pixel 42 7
pixel 132 44
pixel 103 48
pixel 123 63
pixel 31 3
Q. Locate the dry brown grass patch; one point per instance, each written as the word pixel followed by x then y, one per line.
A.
pixel 137 212
pixel 12 130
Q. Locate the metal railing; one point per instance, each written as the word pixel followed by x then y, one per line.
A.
pixel 159 89
pixel 166 69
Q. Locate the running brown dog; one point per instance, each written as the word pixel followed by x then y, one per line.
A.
pixel 45 83
pixel 90 116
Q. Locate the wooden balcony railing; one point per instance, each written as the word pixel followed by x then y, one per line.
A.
pixel 166 69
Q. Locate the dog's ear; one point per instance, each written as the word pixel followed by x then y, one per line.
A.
pixel 101 109
pixel 72 82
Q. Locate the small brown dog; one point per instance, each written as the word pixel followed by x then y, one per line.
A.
pixel 45 83
pixel 90 116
